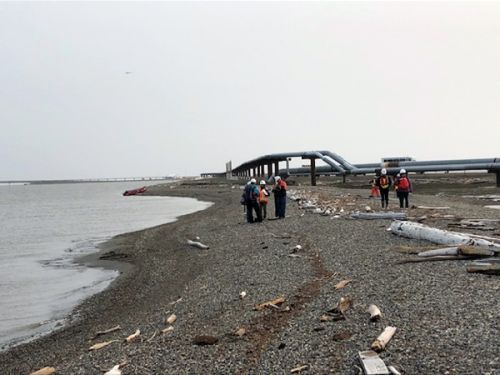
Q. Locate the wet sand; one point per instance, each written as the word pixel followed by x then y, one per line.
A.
pixel 447 319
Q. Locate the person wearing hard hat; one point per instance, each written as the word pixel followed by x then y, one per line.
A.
pixel 384 183
pixel 252 201
pixel 263 199
pixel 279 190
pixel 404 188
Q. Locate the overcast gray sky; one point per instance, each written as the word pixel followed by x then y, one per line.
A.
pixel 212 82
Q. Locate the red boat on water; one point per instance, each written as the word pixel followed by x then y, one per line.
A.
pixel 135 191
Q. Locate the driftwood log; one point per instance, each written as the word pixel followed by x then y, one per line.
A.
pixel 470 251
pixel 379 215
pixel 197 244
pixel 439 236
pixel 381 342
pixel 486 266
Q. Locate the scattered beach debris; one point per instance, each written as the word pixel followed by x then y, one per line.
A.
pixel 171 319
pixel 372 364
pixel 374 312
pixel 243 294
pixel 296 248
pixel 393 370
pixel 106 331
pixel 197 244
pixel 114 371
pixel 167 330
pixel 338 312
pixel 205 340
pixel 175 302
pixel 273 303
pixel 368 209
pixel 240 332
pixel 44 371
pixel 383 339
pixel 343 284
pixel 299 369
pixel 477 224
pixel 101 345
pixel 133 337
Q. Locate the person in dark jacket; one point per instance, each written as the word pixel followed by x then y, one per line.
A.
pixel 384 183
pixel 252 201
pixel 279 190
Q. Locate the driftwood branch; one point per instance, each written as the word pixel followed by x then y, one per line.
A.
pixel 197 244
pixel 100 333
pixel 379 215
pixel 44 371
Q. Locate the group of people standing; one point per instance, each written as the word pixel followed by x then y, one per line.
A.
pixel 256 198
pixel 402 185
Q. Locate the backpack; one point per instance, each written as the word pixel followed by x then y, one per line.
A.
pixel 404 183
pixel 384 182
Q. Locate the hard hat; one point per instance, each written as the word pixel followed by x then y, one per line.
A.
pixel 262 182
pixel 383 171
pixel 253 181
pixel 277 178
pixel 402 171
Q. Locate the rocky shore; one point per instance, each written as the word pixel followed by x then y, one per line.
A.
pixel 447 320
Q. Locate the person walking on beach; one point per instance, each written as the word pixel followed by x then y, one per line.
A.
pixel 404 188
pixel 279 191
pixel 375 191
pixel 384 183
pixel 263 199
pixel 251 200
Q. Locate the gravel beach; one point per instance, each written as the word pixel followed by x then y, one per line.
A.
pixel 447 320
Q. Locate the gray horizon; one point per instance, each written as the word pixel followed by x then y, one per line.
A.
pixel 94 90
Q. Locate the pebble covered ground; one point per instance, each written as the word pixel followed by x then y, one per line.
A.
pixel 447 320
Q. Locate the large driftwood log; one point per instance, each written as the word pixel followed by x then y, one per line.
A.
pixel 381 342
pixel 439 236
pixel 379 215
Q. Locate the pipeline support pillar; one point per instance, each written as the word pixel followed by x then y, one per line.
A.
pixel 313 172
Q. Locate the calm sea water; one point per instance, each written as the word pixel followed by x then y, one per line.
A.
pixel 44 227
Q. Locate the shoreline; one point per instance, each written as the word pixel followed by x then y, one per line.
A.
pixel 202 288
pixel 100 258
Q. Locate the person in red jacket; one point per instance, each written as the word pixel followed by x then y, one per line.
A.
pixel 384 183
pixel 404 188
